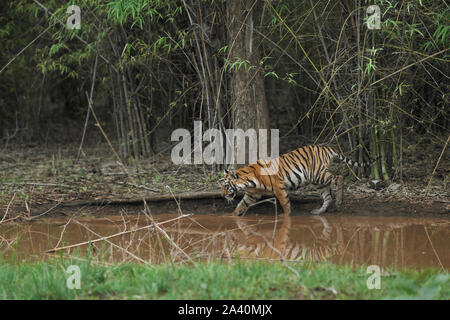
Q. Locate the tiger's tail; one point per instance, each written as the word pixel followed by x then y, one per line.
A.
pixel 354 163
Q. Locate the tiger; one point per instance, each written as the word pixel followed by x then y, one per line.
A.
pixel 290 171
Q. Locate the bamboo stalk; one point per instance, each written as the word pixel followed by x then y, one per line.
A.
pixel 383 162
pixel 374 151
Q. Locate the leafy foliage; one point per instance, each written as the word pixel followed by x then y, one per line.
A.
pixel 166 63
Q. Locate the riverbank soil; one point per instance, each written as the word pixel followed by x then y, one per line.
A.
pixel 35 178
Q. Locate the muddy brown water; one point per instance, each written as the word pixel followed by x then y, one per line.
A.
pixel 395 241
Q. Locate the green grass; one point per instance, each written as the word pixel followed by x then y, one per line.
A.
pixel 214 280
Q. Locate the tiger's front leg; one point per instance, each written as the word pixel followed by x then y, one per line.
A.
pixel 283 197
pixel 248 199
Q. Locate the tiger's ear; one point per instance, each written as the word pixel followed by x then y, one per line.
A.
pixel 232 173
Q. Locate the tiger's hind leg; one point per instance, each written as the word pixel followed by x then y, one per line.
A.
pixel 339 181
pixel 325 193
pixel 248 199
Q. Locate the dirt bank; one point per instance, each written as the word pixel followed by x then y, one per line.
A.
pixel 35 180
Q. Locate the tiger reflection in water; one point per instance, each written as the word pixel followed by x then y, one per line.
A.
pixel 276 243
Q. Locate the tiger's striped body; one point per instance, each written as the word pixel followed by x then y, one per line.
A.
pixel 290 171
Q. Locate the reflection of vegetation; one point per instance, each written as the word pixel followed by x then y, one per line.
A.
pixel 214 280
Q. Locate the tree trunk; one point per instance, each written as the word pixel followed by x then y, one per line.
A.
pixel 248 99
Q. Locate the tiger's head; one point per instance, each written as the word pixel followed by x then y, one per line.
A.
pixel 231 184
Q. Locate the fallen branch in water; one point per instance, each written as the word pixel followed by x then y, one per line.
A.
pixel 168 197
pixel 153 198
pixel 306 198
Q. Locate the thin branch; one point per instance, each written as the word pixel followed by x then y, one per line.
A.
pixel 410 65
pixel 7 208
pixel 153 225
pixel 436 166
pixel 88 109
pixel 434 250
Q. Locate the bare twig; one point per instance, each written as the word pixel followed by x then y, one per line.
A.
pixel 436 166
pixel 21 51
pixel 410 65
pixel 44 213
pixel 156 225
pixel 434 250
pixel 113 244
pixel 88 109
pixel 7 208
pixel 173 196
pixel 114 235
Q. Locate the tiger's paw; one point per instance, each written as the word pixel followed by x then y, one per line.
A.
pixel 317 211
